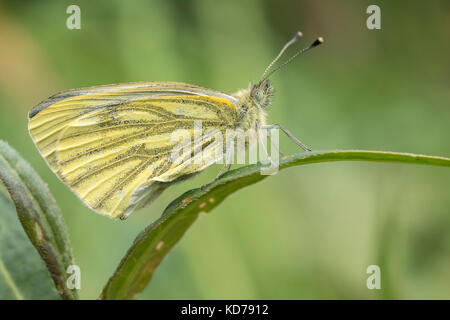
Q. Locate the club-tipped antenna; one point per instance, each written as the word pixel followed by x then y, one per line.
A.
pixel 297 36
pixel 317 42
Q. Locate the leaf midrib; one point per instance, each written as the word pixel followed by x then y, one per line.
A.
pixel 9 280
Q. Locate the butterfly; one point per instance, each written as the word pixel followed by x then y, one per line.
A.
pixel 111 144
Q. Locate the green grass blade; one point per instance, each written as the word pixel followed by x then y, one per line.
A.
pixel 39 215
pixel 152 245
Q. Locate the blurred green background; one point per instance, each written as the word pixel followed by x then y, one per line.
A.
pixel 308 232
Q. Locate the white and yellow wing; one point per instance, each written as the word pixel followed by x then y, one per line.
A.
pixel 112 144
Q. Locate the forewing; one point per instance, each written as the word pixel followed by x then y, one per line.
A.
pixel 112 145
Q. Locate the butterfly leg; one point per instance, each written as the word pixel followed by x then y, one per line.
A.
pixel 274 145
pixel 263 146
pixel 290 135
pixel 226 167
pixel 221 172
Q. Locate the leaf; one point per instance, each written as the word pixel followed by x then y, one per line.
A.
pixel 152 245
pixel 23 274
pixel 39 215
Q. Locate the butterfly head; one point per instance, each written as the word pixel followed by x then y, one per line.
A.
pixel 262 93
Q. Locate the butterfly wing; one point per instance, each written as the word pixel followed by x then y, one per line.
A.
pixel 112 145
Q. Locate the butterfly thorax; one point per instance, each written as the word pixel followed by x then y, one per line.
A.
pixel 252 104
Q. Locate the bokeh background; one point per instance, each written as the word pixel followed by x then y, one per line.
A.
pixel 308 232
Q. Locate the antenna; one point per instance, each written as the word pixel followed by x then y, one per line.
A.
pixel 317 42
pixel 297 36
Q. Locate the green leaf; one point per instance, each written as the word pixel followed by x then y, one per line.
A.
pixel 39 215
pixel 23 274
pixel 152 245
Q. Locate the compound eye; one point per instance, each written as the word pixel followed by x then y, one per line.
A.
pixel 259 95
